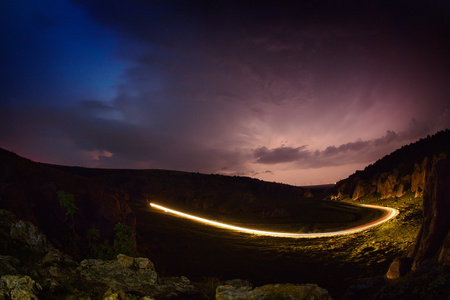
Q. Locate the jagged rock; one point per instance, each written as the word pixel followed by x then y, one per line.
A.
pixel 365 288
pixel 19 287
pixel 55 256
pixel 125 260
pixel 399 267
pixel 418 177
pixel 231 291
pixel 123 274
pixel 359 191
pixel 428 276
pixel 116 296
pixel 271 291
pixel 8 265
pixel 23 232
pixel 444 255
pixel 123 296
pixel 29 234
pixel 386 183
pixel 429 281
pixel 435 227
pixel 175 287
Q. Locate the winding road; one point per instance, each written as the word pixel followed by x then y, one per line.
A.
pixel 390 214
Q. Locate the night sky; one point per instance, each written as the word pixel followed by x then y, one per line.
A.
pixel 300 92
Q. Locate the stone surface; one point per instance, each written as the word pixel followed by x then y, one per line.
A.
pixel 444 255
pixel 271 291
pixel 436 222
pixel 8 265
pixel 175 287
pixel 427 261
pixel 418 177
pixel 119 275
pixel 19 287
pixel 23 232
pixel 365 288
pixel 399 267
pixel 429 281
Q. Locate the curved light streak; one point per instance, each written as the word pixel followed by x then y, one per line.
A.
pixel 390 214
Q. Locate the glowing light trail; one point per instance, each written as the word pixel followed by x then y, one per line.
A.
pixel 390 214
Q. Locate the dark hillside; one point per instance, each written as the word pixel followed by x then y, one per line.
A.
pixel 30 189
pixel 213 194
pixel 104 197
pixel 408 155
pixel 404 170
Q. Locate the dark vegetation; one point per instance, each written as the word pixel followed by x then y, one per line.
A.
pixel 407 156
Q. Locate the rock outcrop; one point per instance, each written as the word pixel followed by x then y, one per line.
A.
pixel 242 290
pixel 405 170
pixel 18 234
pixel 432 240
pixel 32 268
pixel 19 287
pixel 391 184
pixel 423 272
pixel 124 274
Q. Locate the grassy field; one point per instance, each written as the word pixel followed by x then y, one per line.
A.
pixel 209 255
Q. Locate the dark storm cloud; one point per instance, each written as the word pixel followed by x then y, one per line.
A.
pixel 281 52
pixel 222 86
pixel 279 155
pixel 353 152
pixel 129 144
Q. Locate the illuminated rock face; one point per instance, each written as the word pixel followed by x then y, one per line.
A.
pixel 399 267
pixel 427 261
pixel 388 184
pixel 239 290
pixel 432 240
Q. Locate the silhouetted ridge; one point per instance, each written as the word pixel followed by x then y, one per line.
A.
pixel 408 155
pixel 404 170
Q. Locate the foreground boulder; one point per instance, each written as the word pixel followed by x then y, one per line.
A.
pixel 19 287
pixel 31 268
pixel 124 274
pixel 134 275
pixel 241 290
pixel 18 234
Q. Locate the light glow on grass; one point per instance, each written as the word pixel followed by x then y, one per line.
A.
pixel 390 214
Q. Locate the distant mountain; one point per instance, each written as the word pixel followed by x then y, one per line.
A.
pixel 404 170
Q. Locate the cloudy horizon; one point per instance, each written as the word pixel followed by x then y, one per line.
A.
pixel 277 90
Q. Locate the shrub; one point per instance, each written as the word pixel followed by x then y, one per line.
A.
pixel 67 201
pixel 124 241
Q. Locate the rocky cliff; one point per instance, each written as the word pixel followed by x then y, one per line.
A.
pixel 423 272
pixel 405 170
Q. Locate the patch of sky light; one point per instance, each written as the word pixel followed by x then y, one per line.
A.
pixel 62 56
pixel 85 57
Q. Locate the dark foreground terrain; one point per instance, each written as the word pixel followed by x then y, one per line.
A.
pixel 183 247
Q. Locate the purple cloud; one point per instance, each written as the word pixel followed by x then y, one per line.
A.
pixel 268 89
